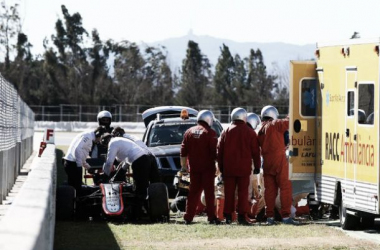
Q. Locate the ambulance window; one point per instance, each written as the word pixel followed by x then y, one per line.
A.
pixel 366 103
pixel 308 97
pixel 350 103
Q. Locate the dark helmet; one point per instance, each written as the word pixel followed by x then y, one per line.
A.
pixel 104 118
pixel 118 132
pixel 105 139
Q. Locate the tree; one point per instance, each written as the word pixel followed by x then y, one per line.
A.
pixel 9 28
pixel 129 73
pixel 195 77
pixel 158 77
pixel 240 82
pixel 70 70
pixel 261 85
pixel 224 90
pixel 101 82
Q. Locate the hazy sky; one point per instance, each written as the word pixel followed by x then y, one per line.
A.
pixel 289 21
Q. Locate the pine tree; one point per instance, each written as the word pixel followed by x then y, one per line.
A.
pixel 129 73
pixel 260 84
pixel 195 77
pixel 224 89
pixel 240 82
pixel 158 77
pixel 100 80
pixel 71 70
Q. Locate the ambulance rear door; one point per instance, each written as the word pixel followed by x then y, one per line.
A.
pixel 302 120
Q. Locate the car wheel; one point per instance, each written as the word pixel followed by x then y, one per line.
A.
pixel 65 202
pixel 158 202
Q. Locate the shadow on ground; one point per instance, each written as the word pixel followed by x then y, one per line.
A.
pixel 81 234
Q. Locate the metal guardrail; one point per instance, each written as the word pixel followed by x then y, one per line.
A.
pixel 124 113
pixel 16 135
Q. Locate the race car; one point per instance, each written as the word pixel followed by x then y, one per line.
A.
pixel 111 199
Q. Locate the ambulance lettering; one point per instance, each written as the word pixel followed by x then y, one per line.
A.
pixel 350 152
pixel 305 141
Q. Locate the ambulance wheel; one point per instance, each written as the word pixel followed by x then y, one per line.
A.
pixel 367 222
pixel 158 202
pixel 347 221
pixel 65 202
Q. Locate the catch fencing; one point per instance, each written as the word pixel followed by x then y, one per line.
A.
pixel 125 113
pixel 16 135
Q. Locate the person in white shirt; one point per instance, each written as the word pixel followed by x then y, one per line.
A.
pixel 77 154
pixel 144 167
pixel 119 132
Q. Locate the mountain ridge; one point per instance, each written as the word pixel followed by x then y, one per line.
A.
pixel 276 54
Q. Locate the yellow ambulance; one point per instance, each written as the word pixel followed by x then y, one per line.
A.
pixel 334 127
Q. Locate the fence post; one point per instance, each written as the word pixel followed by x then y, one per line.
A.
pixel 120 119
pixel 229 112
pixel 137 112
pixel 80 113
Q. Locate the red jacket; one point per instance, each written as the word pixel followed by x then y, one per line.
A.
pixel 271 139
pixel 237 146
pixel 199 146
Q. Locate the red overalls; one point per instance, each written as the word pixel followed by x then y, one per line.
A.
pixel 199 146
pixel 275 166
pixel 238 145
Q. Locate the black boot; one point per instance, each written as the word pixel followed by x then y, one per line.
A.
pixel 214 221
pixel 228 218
pixel 242 220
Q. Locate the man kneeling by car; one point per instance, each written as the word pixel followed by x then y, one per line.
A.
pixel 124 150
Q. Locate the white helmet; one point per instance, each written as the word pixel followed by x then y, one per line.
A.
pixel 239 114
pixel 253 119
pixel 206 116
pixel 104 122
pixel 269 112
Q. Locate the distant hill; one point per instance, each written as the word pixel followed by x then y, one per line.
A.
pixel 274 53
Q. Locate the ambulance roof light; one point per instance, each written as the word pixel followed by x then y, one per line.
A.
pixel 377 49
pixel 184 114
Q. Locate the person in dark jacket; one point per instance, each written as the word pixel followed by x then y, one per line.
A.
pixel 198 157
pixel 237 147
pixel 104 119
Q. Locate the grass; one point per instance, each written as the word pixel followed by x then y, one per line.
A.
pixel 86 234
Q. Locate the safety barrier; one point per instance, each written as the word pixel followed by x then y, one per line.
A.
pixel 29 222
pixel 16 135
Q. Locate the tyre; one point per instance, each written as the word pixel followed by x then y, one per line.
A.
pixel 347 221
pixel 367 222
pixel 65 202
pixel 158 202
